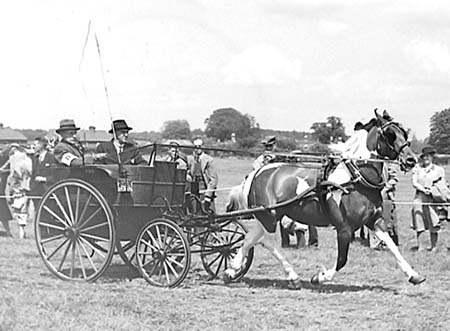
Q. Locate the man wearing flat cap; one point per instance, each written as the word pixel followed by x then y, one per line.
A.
pixel 202 170
pixel 266 157
pixel 108 152
pixel 69 151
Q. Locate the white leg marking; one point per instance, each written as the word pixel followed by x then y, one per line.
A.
pixel 406 268
pixel 255 233
pixel 327 275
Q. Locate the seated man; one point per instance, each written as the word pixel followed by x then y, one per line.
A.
pixel 119 147
pixel 69 151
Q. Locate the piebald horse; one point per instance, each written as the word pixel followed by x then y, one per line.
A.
pixel 347 200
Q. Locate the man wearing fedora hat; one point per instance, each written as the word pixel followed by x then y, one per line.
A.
pixel 69 151
pixel 119 147
pixel 428 179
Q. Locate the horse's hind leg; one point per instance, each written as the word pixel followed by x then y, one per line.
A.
pixel 413 277
pixel 255 232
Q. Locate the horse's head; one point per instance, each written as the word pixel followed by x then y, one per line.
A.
pixel 390 140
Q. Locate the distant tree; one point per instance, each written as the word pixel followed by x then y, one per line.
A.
pixel 225 121
pixel 177 129
pixel 248 142
pixel 197 133
pixel 440 131
pixel 416 144
pixel 286 144
pixel 330 131
pixel 318 148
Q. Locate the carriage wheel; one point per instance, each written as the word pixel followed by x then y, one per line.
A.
pixel 127 251
pixel 220 246
pixel 163 253
pixel 75 231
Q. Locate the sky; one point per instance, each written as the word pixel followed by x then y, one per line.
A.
pixel 287 63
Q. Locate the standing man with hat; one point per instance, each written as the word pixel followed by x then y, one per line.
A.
pixel 119 147
pixel 428 179
pixel 69 151
pixel 202 170
pixel 266 157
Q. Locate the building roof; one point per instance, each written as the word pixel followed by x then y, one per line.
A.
pixel 90 136
pixel 93 135
pixel 8 134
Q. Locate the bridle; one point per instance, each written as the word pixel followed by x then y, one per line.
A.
pixel 392 149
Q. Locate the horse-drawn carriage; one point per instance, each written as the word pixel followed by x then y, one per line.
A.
pixel 142 213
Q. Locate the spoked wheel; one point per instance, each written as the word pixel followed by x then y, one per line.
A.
pixel 127 251
pixel 163 253
pixel 75 231
pixel 220 246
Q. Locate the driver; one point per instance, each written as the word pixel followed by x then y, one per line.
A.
pixel 107 152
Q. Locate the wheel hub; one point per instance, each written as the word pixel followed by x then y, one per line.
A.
pixel 72 233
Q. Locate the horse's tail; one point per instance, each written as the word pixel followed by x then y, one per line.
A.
pixel 236 199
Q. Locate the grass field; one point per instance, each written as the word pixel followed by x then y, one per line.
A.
pixel 369 293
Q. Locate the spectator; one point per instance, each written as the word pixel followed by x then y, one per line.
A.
pixel 41 159
pixel 426 178
pixel 203 173
pixel 174 155
pixel 389 210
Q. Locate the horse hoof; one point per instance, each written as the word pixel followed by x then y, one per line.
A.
pixel 416 280
pixel 227 279
pixel 294 284
pixel 315 280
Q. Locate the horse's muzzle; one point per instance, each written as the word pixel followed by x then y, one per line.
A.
pixel 408 164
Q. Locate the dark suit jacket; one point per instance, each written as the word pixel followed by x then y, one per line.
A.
pixel 130 155
pixel 38 188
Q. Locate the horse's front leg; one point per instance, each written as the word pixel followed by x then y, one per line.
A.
pixel 344 237
pixel 413 276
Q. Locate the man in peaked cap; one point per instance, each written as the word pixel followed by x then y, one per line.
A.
pixel 69 151
pixel 108 152
pixel 263 159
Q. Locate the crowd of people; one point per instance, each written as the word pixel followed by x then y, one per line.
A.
pixel 21 179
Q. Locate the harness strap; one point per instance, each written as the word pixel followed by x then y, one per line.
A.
pixel 358 176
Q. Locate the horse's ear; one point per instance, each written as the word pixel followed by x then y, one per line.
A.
pixel 386 116
pixel 376 113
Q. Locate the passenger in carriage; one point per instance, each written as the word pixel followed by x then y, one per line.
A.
pixel 107 152
pixel 174 155
pixel 41 159
pixel 69 151
pixel 202 172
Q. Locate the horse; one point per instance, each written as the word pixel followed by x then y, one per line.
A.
pixel 347 199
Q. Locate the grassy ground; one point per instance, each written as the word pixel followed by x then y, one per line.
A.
pixel 369 293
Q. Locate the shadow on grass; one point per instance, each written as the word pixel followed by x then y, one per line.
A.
pixel 117 272
pixel 325 288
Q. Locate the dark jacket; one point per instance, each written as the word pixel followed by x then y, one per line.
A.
pixel 38 188
pixel 65 152
pixel 130 154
